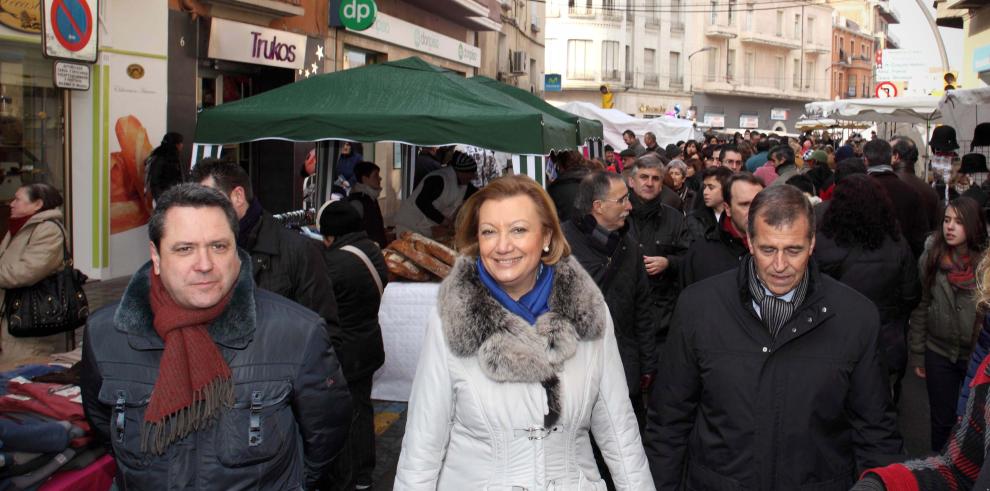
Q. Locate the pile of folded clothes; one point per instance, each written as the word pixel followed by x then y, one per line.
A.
pixel 43 431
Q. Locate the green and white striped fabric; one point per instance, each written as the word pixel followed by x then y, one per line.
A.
pixel 530 165
pixel 203 151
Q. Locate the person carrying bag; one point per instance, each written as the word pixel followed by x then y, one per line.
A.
pixel 35 264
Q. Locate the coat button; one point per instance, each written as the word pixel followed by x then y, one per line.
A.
pixel 793 329
pixel 765 349
pixel 810 320
pixel 824 309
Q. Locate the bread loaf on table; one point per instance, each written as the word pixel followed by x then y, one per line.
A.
pixel 431 247
pixel 402 267
pixel 421 259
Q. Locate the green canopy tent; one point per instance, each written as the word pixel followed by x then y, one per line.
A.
pixel 408 101
pixel 588 129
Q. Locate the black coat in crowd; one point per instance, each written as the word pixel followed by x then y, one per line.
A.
pixel 618 270
pixel 737 409
pixel 563 190
pixel 290 265
pixel 361 351
pixel 696 223
pixel 929 199
pixel 281 362
pixel 371 216
pixel 888 276
pixel 658 230
pixel 914 225
pixel 718 252
pixel 164 171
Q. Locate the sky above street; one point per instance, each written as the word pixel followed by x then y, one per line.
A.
pixel 914 33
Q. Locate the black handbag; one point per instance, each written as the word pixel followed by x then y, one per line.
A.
pixel 53 305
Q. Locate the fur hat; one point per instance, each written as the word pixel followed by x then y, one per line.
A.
pixel 981 136
pixel 973 163
pixel 462 162
pixel 337 218
pixel 944 139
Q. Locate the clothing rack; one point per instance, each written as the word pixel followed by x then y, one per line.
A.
pixel 297 218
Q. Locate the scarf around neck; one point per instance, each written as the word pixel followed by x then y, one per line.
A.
pixel 731 230
pixel 529 306
pixel 194 382
pixel 14 225
pixel 958 270
pixel 774 310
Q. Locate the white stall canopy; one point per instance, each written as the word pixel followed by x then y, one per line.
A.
pixel 667 129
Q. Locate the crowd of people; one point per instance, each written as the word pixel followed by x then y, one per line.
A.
pixel 736 313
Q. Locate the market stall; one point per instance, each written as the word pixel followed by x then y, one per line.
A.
pixel 667 129
pixel 407 101
pixel 963 110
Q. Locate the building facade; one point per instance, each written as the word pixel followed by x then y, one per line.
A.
pixel 973 17
pixel 637 48
pixel 853 60
pixel 755 67
pixel 872 16
pixel 514 54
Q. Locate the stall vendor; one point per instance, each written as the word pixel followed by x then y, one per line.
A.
pixel 431 208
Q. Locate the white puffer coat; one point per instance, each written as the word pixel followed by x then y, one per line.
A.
pixel 498 404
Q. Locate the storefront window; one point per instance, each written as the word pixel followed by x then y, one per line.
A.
pixel 31 128
pixel 354 57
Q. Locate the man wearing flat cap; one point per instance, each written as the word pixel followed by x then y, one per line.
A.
pixel 432 206
pixel 359 275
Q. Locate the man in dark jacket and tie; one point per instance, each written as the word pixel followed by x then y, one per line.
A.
pixel 771 376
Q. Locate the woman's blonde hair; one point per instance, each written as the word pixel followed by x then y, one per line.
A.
pixel 466 237
pixel 983 283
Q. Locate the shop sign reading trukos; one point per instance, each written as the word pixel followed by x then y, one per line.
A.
pixel 249 43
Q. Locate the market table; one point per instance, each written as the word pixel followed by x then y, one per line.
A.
pixel 403 316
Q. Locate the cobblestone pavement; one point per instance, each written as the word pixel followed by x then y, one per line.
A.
pixel 390 417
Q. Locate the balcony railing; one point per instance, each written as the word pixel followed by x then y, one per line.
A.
pixel 653 21
pixel 630 78
pixel 677 80
pixel 651 80
pixel 720 31
pixel 612 14
pixel 580 11
pixel 677 25
pixel 611 75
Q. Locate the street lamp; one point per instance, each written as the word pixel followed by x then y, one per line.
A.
pixel 691 67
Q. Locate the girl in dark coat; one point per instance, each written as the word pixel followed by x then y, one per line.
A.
pixel 860 244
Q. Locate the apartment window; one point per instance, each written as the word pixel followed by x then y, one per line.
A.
pixel 780 23
pixel 852 48
pixel 610 60
pixel 553 9
pixel 810 31
pixel 778 79
pixel 650 75
pixel 797 73
pixel 676 16
pixel 863 51
pixel 732 12
pixel 852 85
pixel 838 85
pixel 578 56
pixel 652 12
pixel 730 65
pixel 629 67
pixel 797 26
pixel 712 65
pixel 750 68
pixel 809 75
pixel 609 7
pixel 714 19
pixel 749 17
pixel 676 78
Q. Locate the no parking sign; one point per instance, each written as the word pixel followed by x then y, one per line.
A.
pixel 69 29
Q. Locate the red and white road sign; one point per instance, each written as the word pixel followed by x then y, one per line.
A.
pixel 886 89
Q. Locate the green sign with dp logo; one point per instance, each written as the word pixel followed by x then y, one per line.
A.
pixel 358 15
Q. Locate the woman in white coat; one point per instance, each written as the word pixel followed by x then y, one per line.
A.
pixel 519 363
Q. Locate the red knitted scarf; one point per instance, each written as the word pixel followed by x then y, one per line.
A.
pixel 959 270
pixel 14 225
pixel 194 382
pixel 731 229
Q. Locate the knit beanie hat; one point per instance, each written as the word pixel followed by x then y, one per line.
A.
pixel 337 218
pixel 819 156
pixel 462 162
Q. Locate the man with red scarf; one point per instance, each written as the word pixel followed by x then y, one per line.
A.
pixel 200 380
pixel 725 243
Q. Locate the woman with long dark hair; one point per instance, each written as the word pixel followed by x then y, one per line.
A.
pixel 942 326
pixel 859 243
pixel 163 168
pixel 690 149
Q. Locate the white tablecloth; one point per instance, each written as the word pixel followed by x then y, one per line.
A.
pixel 403 316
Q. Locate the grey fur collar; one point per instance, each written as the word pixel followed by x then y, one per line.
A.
pixel 233 328
pixel 508 348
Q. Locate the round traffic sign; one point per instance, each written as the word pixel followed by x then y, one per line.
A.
pixel 72 23
pixel 886 89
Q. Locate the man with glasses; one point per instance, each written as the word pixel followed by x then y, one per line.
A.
pixel 731 157
pixel 599 240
